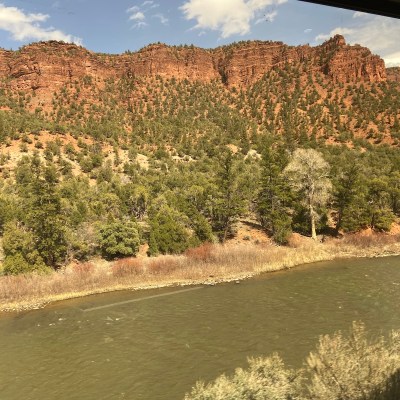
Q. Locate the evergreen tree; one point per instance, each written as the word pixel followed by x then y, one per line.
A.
pixel 168 232
pixel 45 215
pixel 347 193
pixel 379 207
pixel 21 255
pixel 274 195
pixel 229 201
pixel 119 239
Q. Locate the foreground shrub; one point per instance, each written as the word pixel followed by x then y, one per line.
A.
pixel 265 379
pixel 390 389
pixel 341 368
pixel 352 368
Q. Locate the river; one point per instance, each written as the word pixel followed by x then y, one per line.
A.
pixel 156 344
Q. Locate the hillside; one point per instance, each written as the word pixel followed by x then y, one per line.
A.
pixel 169 147
pixel 335 91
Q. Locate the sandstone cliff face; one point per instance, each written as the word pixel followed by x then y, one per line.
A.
pixel 244 64
pixel 184 63
pixel 351 63
pixel 47 66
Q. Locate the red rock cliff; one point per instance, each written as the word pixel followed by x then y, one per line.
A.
pixel 47 66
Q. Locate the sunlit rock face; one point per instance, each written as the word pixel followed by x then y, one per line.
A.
pixel 43 68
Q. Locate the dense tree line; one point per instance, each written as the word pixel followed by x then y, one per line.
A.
pixel 50 215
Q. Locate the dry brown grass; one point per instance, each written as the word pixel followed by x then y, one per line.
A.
pixel 204 253
pixel 164 265
pixel 373 240
pixel 207 264
pixel 126 267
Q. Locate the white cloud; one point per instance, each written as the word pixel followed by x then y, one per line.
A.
pixel 268 17
pixel 393 59
pixel 230 17
pixel 140 24
pixel 379 34
pixel 308 30
pixel 137 16
pixel 133 9
pixel 333 32
pixel 164 20
pixel 23 26
pixel 360 14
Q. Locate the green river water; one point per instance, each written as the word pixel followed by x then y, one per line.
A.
pixel 155 344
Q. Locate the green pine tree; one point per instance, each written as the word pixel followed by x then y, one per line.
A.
pixel 275 194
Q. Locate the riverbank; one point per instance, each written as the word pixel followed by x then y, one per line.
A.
pixel 205 265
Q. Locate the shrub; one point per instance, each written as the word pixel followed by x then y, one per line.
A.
pixel 282 229
pixel 84 270
pixel 163 265
pixel 83 242
pixel 203 253
pixel 365 241
pixel 354 367
pixel 390 389
pixel 19 250
pixel 341 368
pixel 168 234
pixel 264 379
pixel 17 264
pixel 127 267
pixel 119 239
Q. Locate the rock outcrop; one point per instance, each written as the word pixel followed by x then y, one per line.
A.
pixel 346 63
pixel 45 67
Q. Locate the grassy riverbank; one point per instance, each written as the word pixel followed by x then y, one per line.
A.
pixel 208 264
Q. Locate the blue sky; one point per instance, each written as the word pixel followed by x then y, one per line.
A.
pixel 115 26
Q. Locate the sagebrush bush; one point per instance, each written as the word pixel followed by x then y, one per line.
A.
pixel 265 379
pixel 341 368
pixel 353 367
